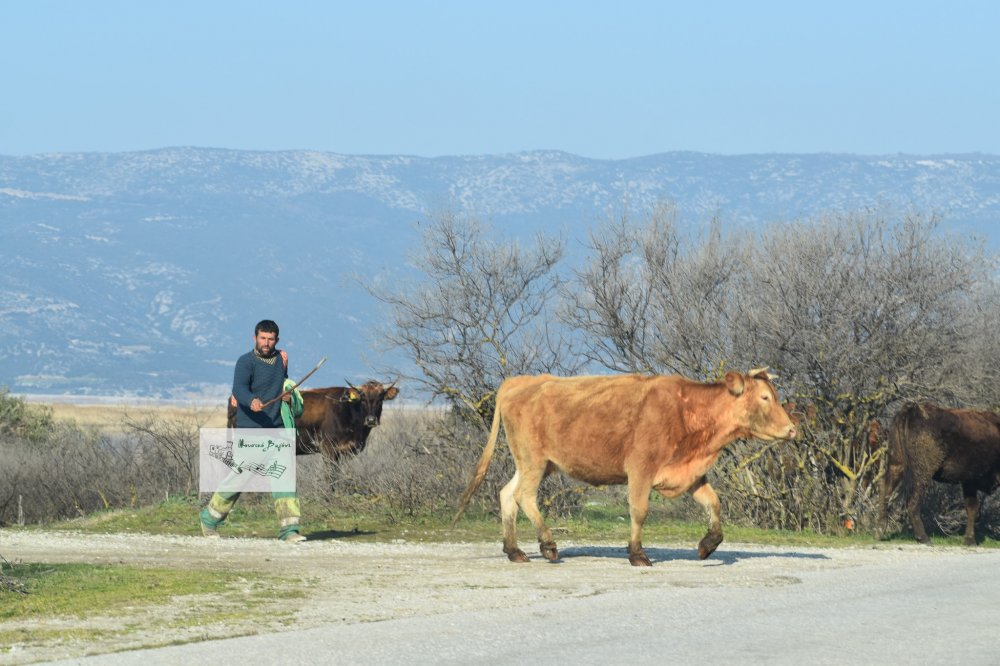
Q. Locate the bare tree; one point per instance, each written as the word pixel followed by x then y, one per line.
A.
pixel 476 313
pixel 861 305
pixel 652 300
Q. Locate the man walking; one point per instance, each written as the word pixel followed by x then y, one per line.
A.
pixel 260 377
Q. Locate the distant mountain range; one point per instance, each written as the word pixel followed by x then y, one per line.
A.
pixel 142 274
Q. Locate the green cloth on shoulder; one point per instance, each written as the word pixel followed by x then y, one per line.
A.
pixel 293 408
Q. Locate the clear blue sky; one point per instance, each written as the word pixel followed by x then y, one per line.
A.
pixel 598 79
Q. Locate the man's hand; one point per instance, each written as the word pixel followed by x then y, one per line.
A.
pixel 256 405
pixel 287 397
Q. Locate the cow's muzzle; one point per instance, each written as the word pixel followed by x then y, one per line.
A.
pixel 371 421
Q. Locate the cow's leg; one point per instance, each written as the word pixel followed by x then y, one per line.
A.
pixel 508 514
pixel 893 475
pixel 913 503
pixel 638 509
pixel 704 494
pixel 971 509
pixel 526 493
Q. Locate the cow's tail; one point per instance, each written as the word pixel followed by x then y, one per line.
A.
pixel 901 441
pixel 481 467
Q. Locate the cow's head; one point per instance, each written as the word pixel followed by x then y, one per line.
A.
pixel 368 398
pixel 758 409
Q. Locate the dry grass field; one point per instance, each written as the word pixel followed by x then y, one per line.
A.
pixel 109 417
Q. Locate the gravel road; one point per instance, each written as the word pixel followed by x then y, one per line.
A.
pixel 419 603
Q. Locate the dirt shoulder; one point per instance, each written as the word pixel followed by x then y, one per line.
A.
pixel 347 582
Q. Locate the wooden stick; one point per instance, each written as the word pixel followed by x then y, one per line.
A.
pixel 297 384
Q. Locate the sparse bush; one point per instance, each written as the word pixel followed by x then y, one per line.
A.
pixel 21 420
pixel 170 447
pixel 72 470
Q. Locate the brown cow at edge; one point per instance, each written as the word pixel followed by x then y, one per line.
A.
pixel 927 443
pixel 658 433
pixel 338 419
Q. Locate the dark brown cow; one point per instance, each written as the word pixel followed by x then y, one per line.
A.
pixel 927 443
pixel 338 419
pixel 650 432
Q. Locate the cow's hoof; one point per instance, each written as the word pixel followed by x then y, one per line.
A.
pixel 516 555
pixel 639 560
pixel 708 544
pixel 549 551
pixel 970 541
pixel 924 540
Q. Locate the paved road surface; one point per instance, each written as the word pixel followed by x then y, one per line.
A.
pixel 747 605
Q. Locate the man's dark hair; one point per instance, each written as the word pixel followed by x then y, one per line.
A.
pixel 267 326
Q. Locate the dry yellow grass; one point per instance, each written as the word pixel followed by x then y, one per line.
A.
pixel 110 417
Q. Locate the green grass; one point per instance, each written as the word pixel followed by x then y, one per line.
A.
pixel 85 589
pixel 114 592
pixel 253 516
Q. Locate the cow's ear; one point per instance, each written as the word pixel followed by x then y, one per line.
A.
pixel 391 393
pixel 735 383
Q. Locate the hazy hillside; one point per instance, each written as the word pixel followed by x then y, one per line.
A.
pixel 143 273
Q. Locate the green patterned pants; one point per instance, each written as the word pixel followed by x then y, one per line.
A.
pixel 286 505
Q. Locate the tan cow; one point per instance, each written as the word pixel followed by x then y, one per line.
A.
pixel 651 432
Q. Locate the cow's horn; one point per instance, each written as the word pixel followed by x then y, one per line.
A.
pixel 761 373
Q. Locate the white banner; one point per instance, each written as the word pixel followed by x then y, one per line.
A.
pixel 247 460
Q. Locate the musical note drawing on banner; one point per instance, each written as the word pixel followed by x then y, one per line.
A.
pixel 224 454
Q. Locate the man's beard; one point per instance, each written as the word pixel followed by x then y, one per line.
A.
pixel 262 354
